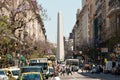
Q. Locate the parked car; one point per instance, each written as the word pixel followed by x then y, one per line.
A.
pixel 3 76
pixel 31 76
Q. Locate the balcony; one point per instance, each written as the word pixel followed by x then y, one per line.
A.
pixel 114 7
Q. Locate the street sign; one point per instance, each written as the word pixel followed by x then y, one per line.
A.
pixel 22 58
pixel 117 50
pixel 104 49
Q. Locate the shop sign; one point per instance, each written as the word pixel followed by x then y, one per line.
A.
pixel 104 49
pixel 117 50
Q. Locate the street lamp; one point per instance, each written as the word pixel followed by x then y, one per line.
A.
pixel 19 46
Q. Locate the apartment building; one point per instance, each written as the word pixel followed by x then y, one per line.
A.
pixel 91 15
pixel 100 23
pixel 81 29
pixel 24 16
pixel 113 15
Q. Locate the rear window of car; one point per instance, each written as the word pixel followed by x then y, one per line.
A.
pixel 24 70
pixel 31 77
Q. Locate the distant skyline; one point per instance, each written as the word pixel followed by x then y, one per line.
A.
pixel 68 9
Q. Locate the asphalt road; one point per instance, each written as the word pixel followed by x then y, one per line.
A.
pixel 77 76
pixel 89 76
pixel 101 76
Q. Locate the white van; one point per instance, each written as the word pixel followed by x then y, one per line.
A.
pixel 14 72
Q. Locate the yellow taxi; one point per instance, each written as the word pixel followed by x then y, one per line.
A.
pixel 31 76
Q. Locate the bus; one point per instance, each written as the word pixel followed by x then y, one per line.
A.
pixel 43 62
pixel 74 63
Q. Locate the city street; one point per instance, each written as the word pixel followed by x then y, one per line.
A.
pixel 42 39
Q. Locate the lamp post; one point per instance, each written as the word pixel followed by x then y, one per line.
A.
pixel 0 62
pixel 19 64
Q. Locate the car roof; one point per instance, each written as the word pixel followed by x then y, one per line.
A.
pixel 32 67
pixel 31 73
pixel 14 69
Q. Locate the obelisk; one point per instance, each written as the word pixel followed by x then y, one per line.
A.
pixel 60 43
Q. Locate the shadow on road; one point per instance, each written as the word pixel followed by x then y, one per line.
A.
pixel 100 76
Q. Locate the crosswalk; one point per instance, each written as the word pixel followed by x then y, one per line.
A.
pixel 76 76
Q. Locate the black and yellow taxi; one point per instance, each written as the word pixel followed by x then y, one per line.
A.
pixel 31 76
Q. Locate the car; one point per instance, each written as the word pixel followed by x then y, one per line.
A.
pixel 75 68
pixel 31 69
pixel 3 76
pixel 31 76
pixel 13 72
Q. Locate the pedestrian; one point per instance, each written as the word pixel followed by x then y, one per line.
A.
pixel 70 70
pixel 62 70
pixel 67 70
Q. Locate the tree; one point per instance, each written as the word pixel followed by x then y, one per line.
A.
pixel 13 17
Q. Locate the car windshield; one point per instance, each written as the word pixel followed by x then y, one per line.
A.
pixel 2 73
pixel 31 77
pixel 15 72
pixel 23 70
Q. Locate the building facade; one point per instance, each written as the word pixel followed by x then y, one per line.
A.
pixel 100 27
pixel 25 19
pixel 113 15
pixel 81 28
pixel 91 13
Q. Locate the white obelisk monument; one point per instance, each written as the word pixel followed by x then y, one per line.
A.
pixel 60 43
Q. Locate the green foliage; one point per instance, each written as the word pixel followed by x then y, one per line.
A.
pixel 10 46
pixel 6 40
pixel 54 50
pixel 3 27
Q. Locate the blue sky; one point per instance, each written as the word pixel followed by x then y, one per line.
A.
pixel 68 9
